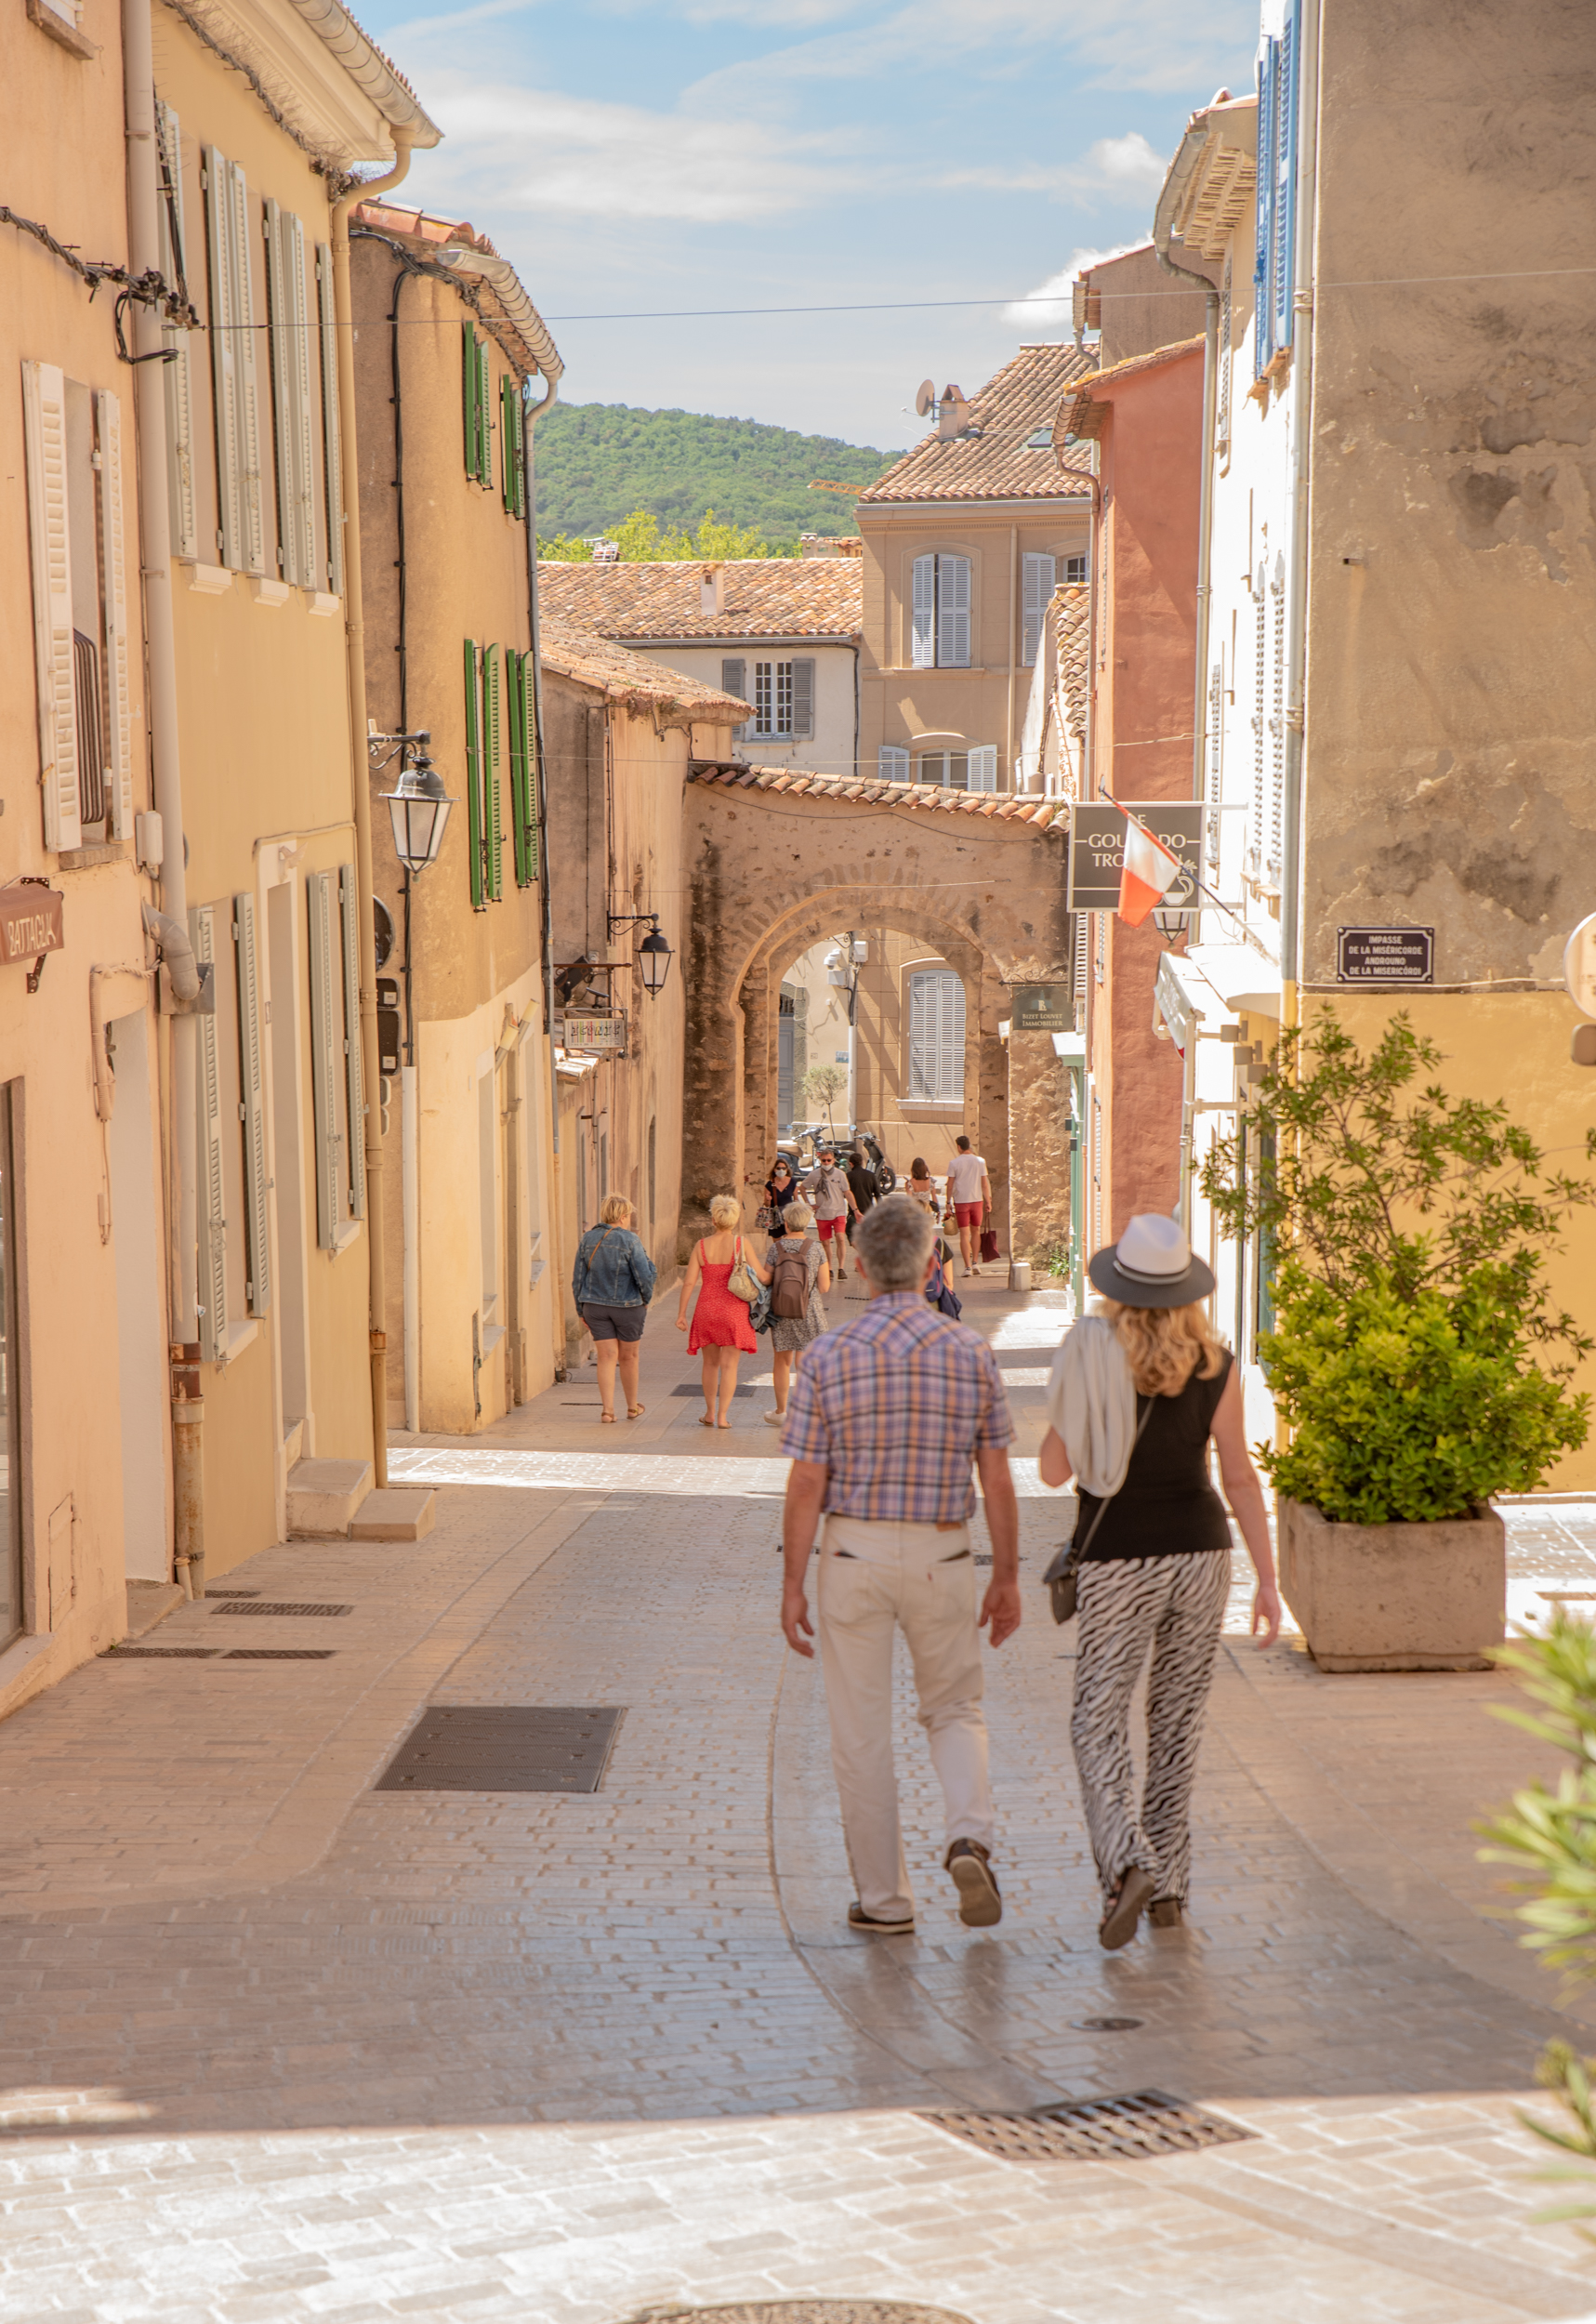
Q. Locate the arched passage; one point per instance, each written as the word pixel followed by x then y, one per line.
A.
pixel 775 863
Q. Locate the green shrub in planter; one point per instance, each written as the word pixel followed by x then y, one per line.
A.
pixel 1416 1357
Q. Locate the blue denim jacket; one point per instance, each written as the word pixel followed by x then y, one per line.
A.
pixel 621 1274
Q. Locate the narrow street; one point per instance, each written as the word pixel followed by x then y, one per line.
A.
pixel 279 2045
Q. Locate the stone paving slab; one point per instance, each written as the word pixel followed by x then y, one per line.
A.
pixel 274 2045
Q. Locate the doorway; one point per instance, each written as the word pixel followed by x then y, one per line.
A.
pixel 136 1243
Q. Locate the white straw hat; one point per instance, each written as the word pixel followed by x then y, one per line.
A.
pixel 1151 1266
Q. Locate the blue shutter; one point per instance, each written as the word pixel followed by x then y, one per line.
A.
pixel 1282 274
pixel 1263 263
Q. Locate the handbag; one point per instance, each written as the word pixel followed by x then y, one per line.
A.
pixel 759 1313
pixel 1063 1576
pixel 767 1218
pixel 988 1243
pixel 743 1283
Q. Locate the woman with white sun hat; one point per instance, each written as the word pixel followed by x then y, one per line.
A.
pixel 1137 1388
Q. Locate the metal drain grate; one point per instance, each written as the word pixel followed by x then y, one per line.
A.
pixel 232 1593
pixel 805 2312
pixel 165 1653
pixel 278 1654
pixel 260 1606
pixel 691 1388
pixel 1097 2130
pixel 503 1748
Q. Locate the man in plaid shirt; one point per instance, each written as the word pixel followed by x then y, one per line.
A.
pixel 886 1416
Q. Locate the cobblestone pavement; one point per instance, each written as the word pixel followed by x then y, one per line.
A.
pixel 277 2046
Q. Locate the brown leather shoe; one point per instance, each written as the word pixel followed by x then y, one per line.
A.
pixel 980 1903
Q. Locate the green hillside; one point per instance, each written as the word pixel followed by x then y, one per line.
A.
pixel 599 462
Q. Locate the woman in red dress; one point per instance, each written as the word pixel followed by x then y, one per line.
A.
pixel 720 1327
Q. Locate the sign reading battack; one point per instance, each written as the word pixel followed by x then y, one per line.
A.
pixel 31 922
pixel 1385 956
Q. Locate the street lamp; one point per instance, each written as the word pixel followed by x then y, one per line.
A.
pixel 418 809
pixel 654 953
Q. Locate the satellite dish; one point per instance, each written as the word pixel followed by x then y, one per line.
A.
pixel 925 398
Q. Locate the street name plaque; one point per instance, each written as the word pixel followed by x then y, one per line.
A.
pixel 31 922
pixel 1385 956
pixel 1097 848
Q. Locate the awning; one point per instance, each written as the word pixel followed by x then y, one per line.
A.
pixel 1242 977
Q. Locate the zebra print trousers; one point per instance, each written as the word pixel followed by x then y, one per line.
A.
pixel 1125 1606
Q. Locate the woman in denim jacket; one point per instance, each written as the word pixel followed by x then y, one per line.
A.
pixel 612 1283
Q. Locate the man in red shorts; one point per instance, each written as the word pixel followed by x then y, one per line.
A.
pixel 970 1191
pixel 832 1198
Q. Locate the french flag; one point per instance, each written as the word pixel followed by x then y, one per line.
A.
pixel 1150 872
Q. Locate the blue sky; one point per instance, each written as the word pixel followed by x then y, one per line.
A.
pixel 702 154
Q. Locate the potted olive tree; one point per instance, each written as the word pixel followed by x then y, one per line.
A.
pixel 1417 1358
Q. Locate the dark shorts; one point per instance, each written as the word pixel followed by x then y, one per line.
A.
pixel 625 1324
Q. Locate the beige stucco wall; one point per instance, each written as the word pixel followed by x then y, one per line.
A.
pixel 830 749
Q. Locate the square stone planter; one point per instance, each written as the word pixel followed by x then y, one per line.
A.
pixel 1397 1597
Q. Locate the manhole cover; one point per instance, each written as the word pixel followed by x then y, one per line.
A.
pixel 262 1605
pixel 1097 2130
pixel 804 2312
pixel 497 1747
pixel 1105 2025
pixel 691 1388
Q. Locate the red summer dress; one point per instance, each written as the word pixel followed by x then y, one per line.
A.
pixel 720 1320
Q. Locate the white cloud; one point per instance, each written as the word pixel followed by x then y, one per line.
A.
pixel 518 149
pixel 1047 307
pixel 1128 162
pixel 1124 169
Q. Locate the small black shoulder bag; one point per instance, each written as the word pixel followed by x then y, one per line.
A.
pixel 1063 1576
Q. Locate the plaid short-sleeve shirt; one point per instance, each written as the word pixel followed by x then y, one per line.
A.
pixel 897 1402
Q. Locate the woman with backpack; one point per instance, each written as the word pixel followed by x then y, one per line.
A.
pixel 799 1273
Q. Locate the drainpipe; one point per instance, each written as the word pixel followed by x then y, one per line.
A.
pixel 149 393
pixel 531 414
pixel 1302 455
pixel 354 633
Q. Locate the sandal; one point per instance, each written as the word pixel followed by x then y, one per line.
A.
pixel 635 1411
pixel 607 1416
pixel 1126 1900
pixel 705 1421
pixel 1166 1912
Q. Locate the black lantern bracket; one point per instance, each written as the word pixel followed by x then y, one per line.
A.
pixel 654 954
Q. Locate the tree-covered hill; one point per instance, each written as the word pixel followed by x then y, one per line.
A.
pixel 599 462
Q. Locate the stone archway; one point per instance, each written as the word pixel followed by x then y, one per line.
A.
pixel 775 860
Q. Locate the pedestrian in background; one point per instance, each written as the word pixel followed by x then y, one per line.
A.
pixel 1137 1389
pixel 800 1262
pixel 612 1282
pixel 831 1197
pixel 862 1186
pixel 970 1199
pixel 780 1189
pixel 888 1415
pixel 922 1186
pixel 721 1330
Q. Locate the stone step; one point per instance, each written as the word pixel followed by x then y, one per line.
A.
pixel 149 1603
pixel 323 1497
pixel 396 1514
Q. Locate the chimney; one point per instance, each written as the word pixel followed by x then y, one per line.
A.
pixel 712 589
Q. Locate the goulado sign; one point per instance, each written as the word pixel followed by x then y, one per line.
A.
pixel 1097 847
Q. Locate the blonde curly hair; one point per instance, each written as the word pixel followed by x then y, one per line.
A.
pixel 1165 1346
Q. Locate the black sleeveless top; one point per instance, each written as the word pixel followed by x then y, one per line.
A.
pixel 1166 1508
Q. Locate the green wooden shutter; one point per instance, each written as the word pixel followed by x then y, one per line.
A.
pixel 484 417
pixel 468 377
pixel 517 761
pixel 494 850
pixel 533 781
pixel 513 449
pixel 473 777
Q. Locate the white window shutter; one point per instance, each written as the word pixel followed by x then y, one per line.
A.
pixel 923 648
pixel 45 422
pixel 251 474
pixel 983 767
pixel 224 355
pixel 355 1081
pixel 733 672
pixel 252 1085
pixel 953 612
pixel 291 394
pixel 177 371
pixel 332 440
pixel 326 1056
pixel 1037 588
pixel 118 641
pixel 892 763
pixel 213 1186
pixel 803 695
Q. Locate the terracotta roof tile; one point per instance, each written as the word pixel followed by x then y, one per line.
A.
pixel 845 790
pixel 1075 416
pixel 1071 616
pixel 996 464
pixel 764 597
pixel 645 687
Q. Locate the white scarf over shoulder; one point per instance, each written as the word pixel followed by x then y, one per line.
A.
pixel 1091 1404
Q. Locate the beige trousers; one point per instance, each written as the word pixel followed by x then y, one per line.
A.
pixel 877 1579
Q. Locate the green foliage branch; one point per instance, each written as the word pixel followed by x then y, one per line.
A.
pixel 1417 1357
pixel 641 541
pixel 822 1085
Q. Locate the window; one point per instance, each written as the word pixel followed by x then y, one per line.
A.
pixel 892 763
pixel 1038 587
pixel 241 537
pixel 521 704
pixel 82 638
pixel 335 1083
pixel 733 682
pixel 288 303
pixel 974 770
pixel 783 699
pixel 1274 268
pixel 1076 571
pixel 10 1397
pixel 477 386
pixel 941 627
pixel 484 835
pixel 936 1038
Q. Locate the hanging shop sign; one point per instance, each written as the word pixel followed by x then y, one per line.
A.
pixel 605 1034
pixel 1042 1009
pixel 1097 848
pixel 1385 956
pixel 30 925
